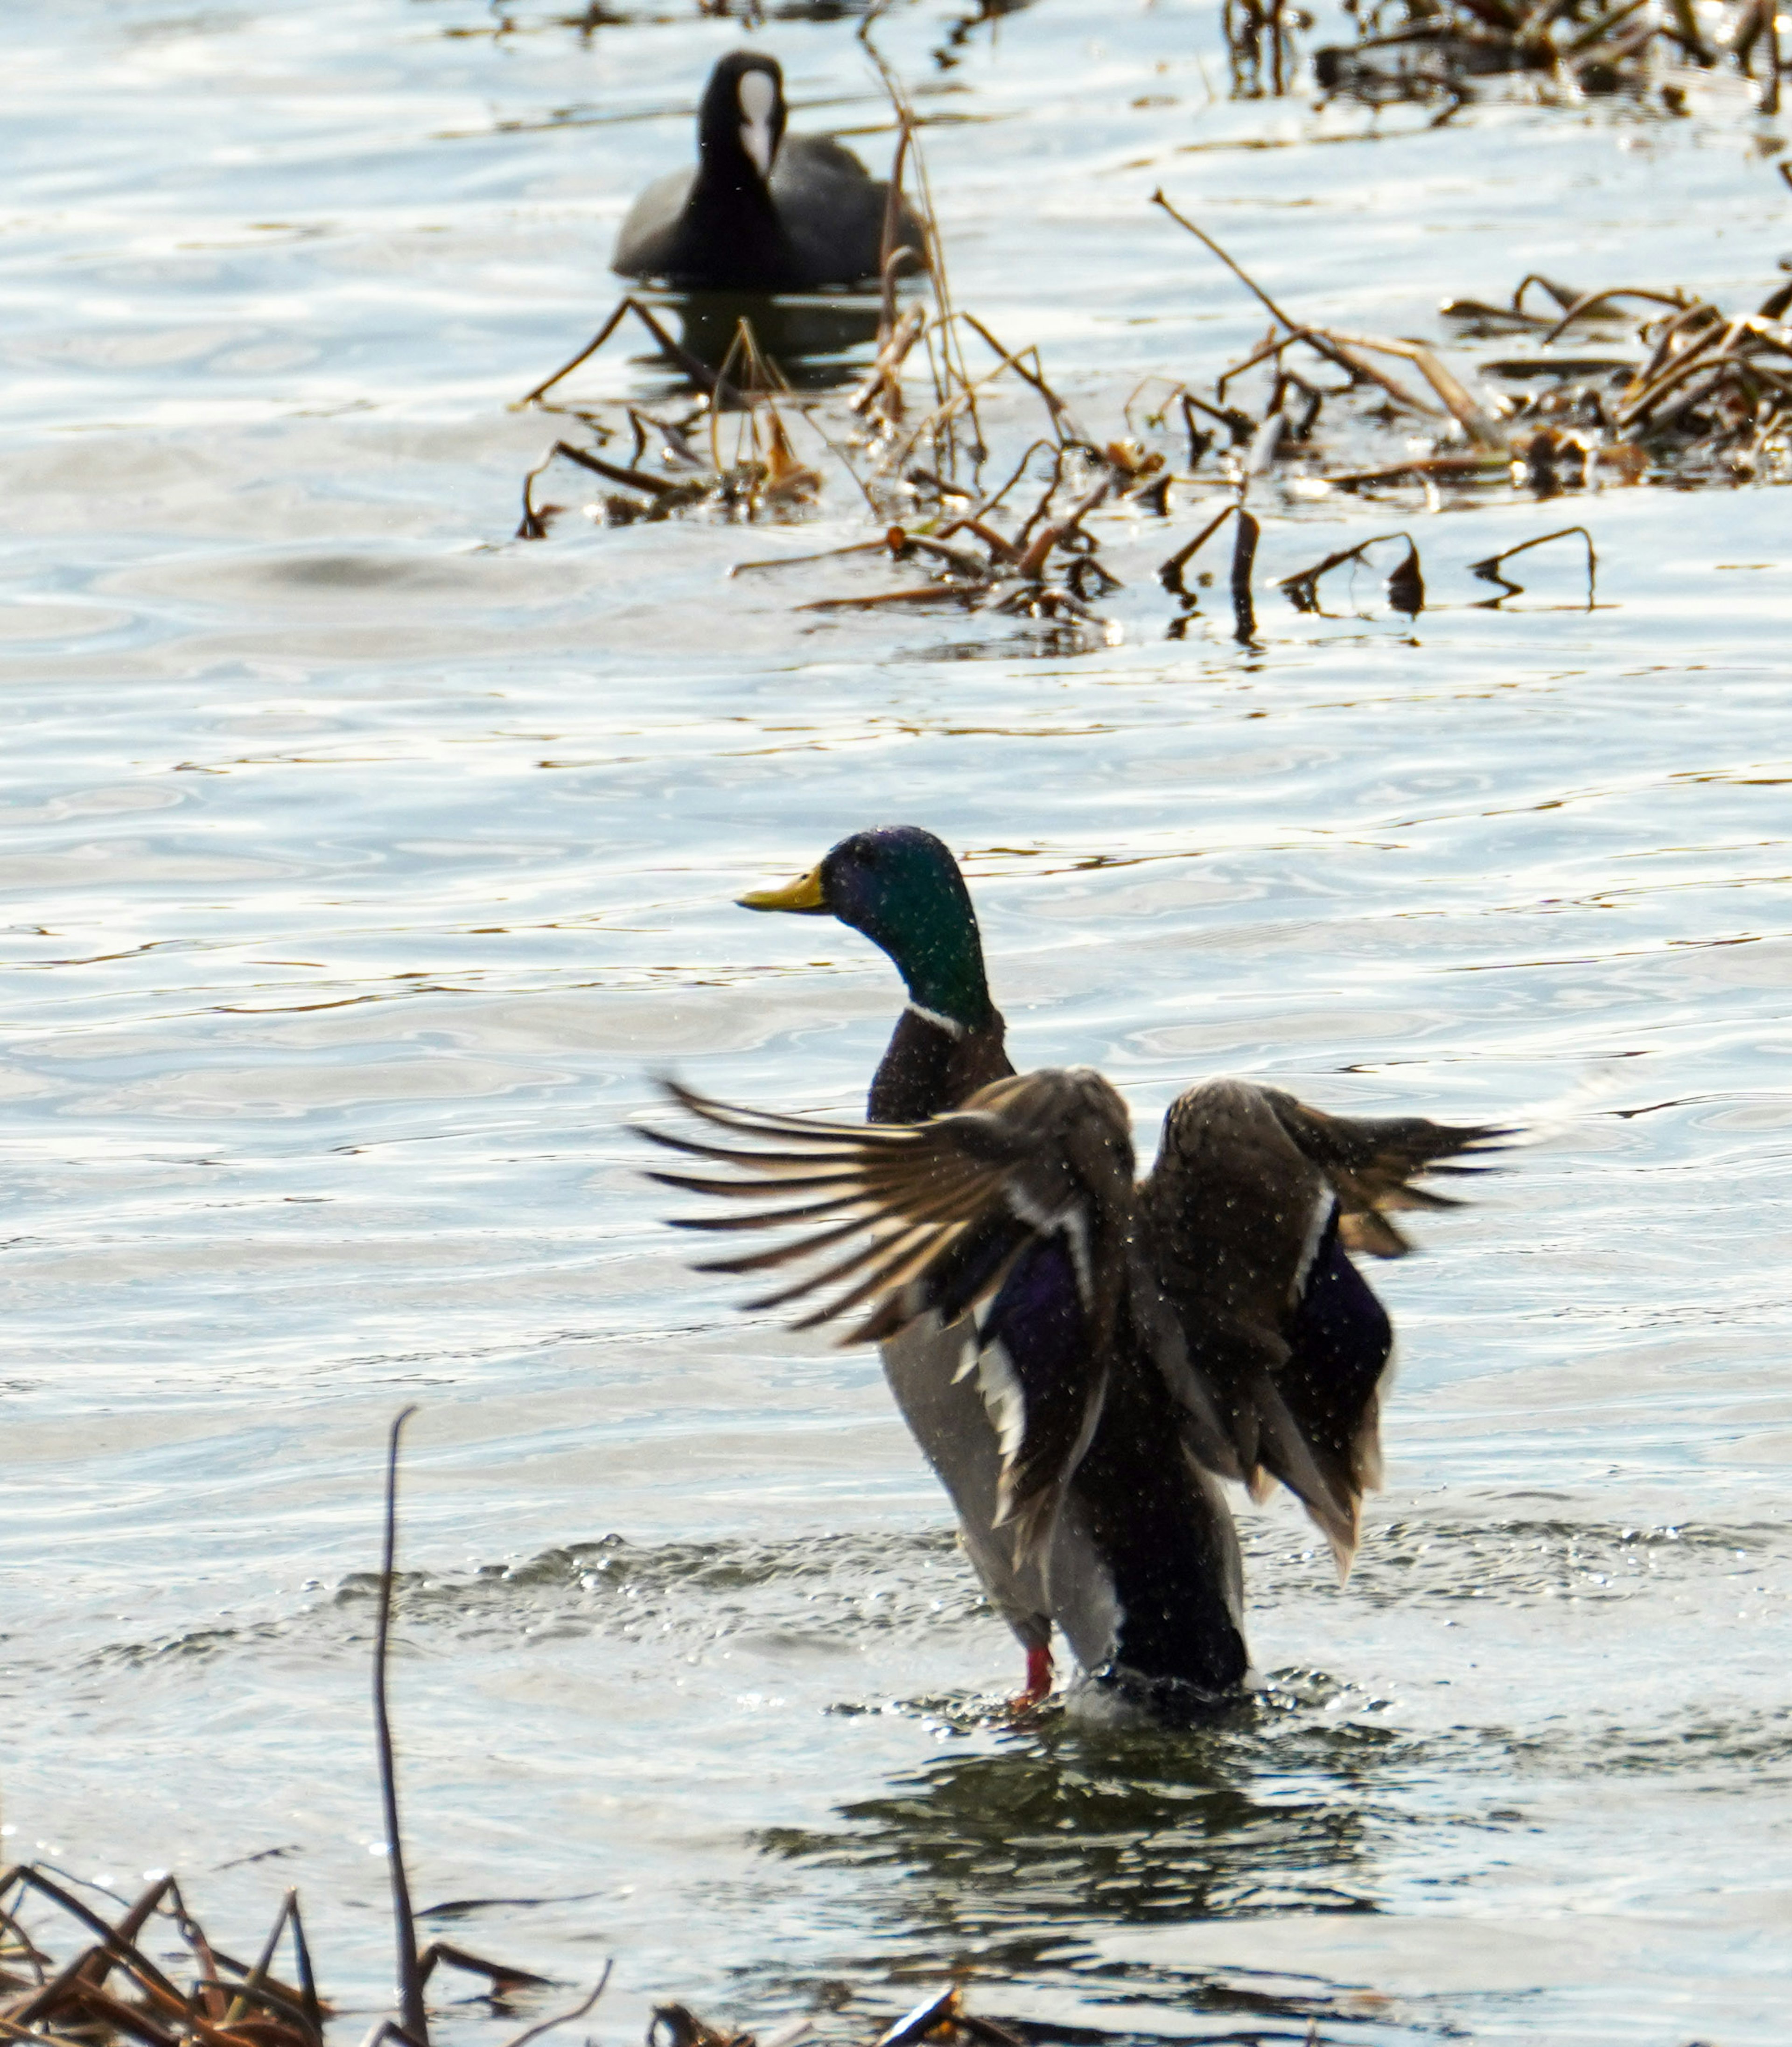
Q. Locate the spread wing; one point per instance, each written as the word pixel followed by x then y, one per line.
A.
pixel 1250 1208
pixel 1019 1204
pixel 1373 1162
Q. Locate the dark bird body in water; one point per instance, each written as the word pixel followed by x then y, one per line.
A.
pixel 1083 1355
pixel 763 211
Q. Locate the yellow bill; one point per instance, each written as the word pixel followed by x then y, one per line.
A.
pixel 804 894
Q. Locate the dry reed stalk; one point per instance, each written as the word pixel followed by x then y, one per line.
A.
pixel 229 2004
pixel 1489 571
pixel 700 372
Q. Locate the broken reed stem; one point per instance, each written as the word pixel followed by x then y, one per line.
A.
pixel 255 2010
pixel 1587 301
pixel 1244 556
pixel 264 1961
pixel 534 2033
pixel 1489 571
pixel 993 503
pixel 943 366
pixel 615 472
pixel 534 397
pixel 963 400
pixel 123 1951
pixel 1343 353
pixel 742 335
pixel 1208 242
pixel 129 1928
pixel 706 379
pixel 802 561
pixel 1061 420
pixel 1031 564
pixel 887 243
pixel 414 2017
pixel 1171 573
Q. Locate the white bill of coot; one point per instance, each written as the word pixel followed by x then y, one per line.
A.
pixel 761 211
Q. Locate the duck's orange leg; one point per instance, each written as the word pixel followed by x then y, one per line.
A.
pixel 1038 1678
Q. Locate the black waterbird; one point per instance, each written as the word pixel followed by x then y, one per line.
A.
pixel 1082 1356
pixel 763 211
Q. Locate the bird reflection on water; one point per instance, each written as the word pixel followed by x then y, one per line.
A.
pixel 1070 1825
pixel 1011 1864
pixel 812 339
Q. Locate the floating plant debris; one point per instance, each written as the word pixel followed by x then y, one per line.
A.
pixel 1699 396
pixel 111 1988
pixel 1706 396
pixel 1445 52
pixel 108 1990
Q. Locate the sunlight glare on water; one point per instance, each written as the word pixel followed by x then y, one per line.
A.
pixel 363 867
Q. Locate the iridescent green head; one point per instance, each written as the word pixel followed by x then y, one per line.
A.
pixel 902 887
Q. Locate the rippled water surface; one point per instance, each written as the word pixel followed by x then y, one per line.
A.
pixel 361 866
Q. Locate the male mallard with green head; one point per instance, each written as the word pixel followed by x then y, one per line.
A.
pixel 1082 1356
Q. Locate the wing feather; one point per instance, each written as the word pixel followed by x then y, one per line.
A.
pixel 1023 1198
pixel 1252 1197
pixel 1372 1163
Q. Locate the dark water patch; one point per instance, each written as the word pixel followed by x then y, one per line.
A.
pixel 1017 1859
pixel 1706 1750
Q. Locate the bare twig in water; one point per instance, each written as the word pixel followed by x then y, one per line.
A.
pixel 1170 573
pixel 1347 355
pixel 1406 586
pixel 1243 556
pixel 414 2017
pixel 1213 248
pixel 502 1977
pixel 1063 420
pixel 532 2033
pixel 1489 571
pixel 801 561
pixel 700 373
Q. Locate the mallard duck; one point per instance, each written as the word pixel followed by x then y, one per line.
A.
pixel 762 211
pixel 1082 1356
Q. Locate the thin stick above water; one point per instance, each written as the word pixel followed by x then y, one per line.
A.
pixel 412 2011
